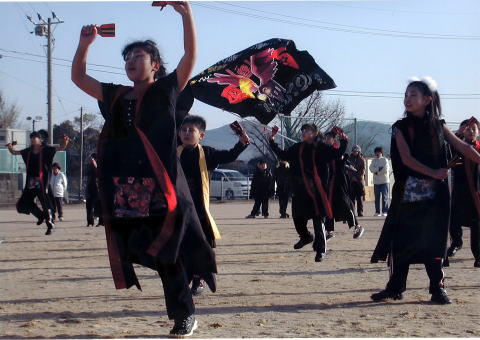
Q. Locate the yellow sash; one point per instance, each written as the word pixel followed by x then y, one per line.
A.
pixel 205 188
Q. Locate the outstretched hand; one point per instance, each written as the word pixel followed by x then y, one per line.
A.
pixel 88 35
pixel 244 139
pixel 181 7
pixel 274 132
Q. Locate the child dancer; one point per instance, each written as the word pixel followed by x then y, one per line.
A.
pixel 465 196
pixel 308 164
pixel 38 158
pixel 261 189
pixel 416 228
pixel 93 201
pixel 147 209
pixel 339 194
pixel 197 161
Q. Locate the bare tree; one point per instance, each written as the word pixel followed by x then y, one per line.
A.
pixel 9 114
pixel 313 109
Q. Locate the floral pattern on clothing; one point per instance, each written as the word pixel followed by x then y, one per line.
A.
pixel 137 197
pixel 417 189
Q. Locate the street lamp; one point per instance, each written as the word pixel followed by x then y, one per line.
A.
pixel 36 119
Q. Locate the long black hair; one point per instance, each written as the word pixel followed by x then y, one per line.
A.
pixel 150 47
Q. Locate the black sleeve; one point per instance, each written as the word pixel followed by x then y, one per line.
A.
pixel 282 154
pixel 168 86
pixel 330 153
pixel 215 157
pixel 109 91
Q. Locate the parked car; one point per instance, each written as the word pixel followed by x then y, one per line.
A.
pixel 233 183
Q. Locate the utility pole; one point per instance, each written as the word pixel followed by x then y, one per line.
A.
pixel 44 29
pixel 81 156
pixel 354 131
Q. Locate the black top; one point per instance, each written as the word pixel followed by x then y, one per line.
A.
pixel 426 143
pixel 32 161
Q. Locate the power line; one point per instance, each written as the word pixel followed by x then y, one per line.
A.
pixel 336 29
pixel 68 66
pixel 349 26
pixel 60 59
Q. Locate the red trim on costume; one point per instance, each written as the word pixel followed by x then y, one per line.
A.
pixel 321 190
pixel 305 182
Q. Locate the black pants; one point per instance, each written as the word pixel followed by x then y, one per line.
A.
pixel 456 237
pixel 398 277
pixel 93 209
pixel 178 297
pixel 28 205
pixel 57 207
pixel 260 201
pixel 320 242
pixel 356 195
pixel 351 221
pixel 283 203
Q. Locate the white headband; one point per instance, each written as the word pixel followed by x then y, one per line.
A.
pixel 427 80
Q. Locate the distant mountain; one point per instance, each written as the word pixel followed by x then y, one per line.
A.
pixel 369 136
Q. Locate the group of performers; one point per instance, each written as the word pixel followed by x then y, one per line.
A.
pixel 154 194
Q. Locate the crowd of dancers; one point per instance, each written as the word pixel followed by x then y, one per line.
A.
pixel 151 183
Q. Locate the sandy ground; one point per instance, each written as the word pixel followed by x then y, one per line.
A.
pixel 60 286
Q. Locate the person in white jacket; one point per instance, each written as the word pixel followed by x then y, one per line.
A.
pixel 381 173
pixel 58 187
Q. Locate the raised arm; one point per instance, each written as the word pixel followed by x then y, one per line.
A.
pixel 10 149
pixel 185 66
pixel 412 162
pixel 63 144
pixel 464 148
pixel 80 77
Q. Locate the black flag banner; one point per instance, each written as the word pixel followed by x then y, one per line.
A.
pixel 264 80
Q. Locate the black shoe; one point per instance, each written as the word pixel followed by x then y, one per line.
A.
pixel 446 263
pixel 265 216
pixel 358 231
pixel 320 257
pixel 50 224
pixel 40 220
pixel 476 264
pixel 386 295
pixel 49 231
pixel 198 286
pixel 184 327
pixel 303 242
pixel 283 216
pixel 250 216
pixel 453 250
pixel 360 215
pixel 330 234
pixel 441 297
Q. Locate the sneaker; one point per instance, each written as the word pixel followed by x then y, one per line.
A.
pixel 385 214
pixel 49 231
pixel 330 234
pixel 386 295
pixel 377 214
pixel 320 257
pixel 40 220
pixel 90 225
pixel 250 216
pixel 441 297
pixel 283 216
pixel 358 232
pixel 303 242
pixel 60 219
pixel 184 327
pixel 476 264
pixel 198 286
pixel 453 250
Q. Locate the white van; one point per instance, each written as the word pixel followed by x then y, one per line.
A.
pixel 233 183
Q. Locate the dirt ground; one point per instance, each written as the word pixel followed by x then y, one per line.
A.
pixel 60 286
